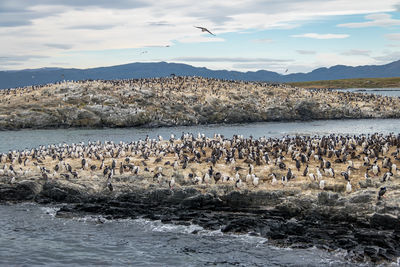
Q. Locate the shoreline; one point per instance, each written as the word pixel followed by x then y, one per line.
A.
pixel 63 127
pixel 287 218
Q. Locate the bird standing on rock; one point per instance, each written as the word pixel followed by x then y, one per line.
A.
pixel 110 186
pixel 375 169
pixel 381 192
pixel 322 184
pixel 305 171
pixel 345 175
pixel 289 174
pixel 319 174
pixel 274 180
pixel 171 183
pixel 239 184
pixel 348 187
pixel 217 176
pixel 386 176
pixel 298 165
pixel 206 178
pixel 255 181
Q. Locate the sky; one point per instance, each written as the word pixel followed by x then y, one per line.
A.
pixel 285 36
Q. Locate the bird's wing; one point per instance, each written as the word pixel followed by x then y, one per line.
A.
pixel 209 31
pixel 204 29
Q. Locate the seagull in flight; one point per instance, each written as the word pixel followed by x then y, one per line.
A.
pixel 204 30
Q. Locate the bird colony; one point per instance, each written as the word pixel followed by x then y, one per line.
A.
pixel 334 162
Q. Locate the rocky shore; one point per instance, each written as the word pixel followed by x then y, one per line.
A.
pixel 333 192
pixel 367 229
pixel 179 101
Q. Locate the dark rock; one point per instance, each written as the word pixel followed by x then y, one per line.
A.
pixel 286 217
pixel 24 190
pixel 365 197
pixel 328 199
pixel 385 221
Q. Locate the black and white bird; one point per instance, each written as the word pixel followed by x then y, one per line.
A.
pixel 330 171
pixel 274 180
pixel 239 184
pixel 386 176
pixel 298 165
pixel 171 183
pixel 381 192
pixel 376 169
pixel 110 186
pixel 345 175
pixel 284 180
pixel 305 171
pixel 255 181
pixel 289 174
pixel 322 184
pixel 348 187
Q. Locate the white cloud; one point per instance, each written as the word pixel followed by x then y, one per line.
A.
pixel 263 40
pixel 228 59
pixel 356 52
pixel 375 20
pixel 332 59
pixel 306 52
pixel 48 28
pixel 388 56
pixel 321 36
pixel 200 39
pixel 278 67
pixel 393 36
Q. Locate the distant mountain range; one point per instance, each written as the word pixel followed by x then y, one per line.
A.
pixel 9 79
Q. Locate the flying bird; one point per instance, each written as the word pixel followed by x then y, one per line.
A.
pixel 204 30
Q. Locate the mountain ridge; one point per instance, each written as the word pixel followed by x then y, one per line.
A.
pixel 19 78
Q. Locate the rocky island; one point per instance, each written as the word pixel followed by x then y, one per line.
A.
pixel 333 192
pixel 179 101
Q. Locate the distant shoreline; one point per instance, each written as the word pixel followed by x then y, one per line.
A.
pixel 350 83
pixel 63 127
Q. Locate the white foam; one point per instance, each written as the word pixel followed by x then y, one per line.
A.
pixel 248 238
pixel 93 218
pixel 158 226
pixel 52 211
pixel 396 263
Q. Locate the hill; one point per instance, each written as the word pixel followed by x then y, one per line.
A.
pixel 179 101
pixel 10 79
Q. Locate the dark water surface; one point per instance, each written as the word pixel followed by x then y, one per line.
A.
pixel 33 138
pixel 32 235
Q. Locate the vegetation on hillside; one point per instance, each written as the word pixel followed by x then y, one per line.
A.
pixel 352 83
